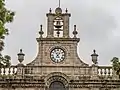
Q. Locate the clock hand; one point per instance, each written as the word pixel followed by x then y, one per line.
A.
pixel 57 56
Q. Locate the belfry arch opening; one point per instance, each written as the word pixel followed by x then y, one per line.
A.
pixel 57 85
pixel 58 27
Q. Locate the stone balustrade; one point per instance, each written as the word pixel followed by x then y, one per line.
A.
pixel 105 71
pixel 12 70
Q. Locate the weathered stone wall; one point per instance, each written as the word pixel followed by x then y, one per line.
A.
pixel 22 89
pixel 79 89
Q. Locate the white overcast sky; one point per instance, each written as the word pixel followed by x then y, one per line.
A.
pixel 98 24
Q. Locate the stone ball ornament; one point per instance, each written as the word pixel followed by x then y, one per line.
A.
pixel 58 11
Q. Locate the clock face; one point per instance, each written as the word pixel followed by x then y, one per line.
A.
pixel 57 55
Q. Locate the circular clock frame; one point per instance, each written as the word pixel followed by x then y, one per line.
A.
pixel 57 55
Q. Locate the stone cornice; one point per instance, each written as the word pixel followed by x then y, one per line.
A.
pixel 21 83
pixel 58 39
pixel 95 83
pixel 58 66
pixel 73 83
pixel 53 14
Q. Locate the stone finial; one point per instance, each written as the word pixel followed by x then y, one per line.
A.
pixel 75 32
pixel 21 56
pixel 94 57
pixel 66 10
pixel 50 10
pixel 58 11
pixel 41 32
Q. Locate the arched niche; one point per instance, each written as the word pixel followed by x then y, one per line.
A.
pixel 56 80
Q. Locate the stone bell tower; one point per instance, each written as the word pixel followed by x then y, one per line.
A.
pixel 58 24
pixel 58 48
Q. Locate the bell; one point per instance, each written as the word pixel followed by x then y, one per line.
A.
pixel 58 25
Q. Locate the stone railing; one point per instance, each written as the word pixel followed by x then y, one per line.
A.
pixel 12 70
pixel 105 71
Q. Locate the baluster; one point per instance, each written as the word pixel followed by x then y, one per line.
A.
pixel 101 72
pixel 105 71
pixel 9 71
pixel 109 72
pixel 13 70
pixel 4 71
pixel 98 71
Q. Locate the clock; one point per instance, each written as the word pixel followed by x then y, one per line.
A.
pixel 57 55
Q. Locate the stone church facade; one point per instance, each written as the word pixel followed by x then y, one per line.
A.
pixel 57 65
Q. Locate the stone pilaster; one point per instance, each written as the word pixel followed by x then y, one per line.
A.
pixel 66 26
pixel 94 71
pixel 50 25
pixel 20 71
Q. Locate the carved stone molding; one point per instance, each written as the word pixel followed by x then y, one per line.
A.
pixel 57 76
